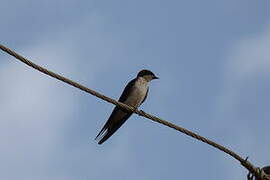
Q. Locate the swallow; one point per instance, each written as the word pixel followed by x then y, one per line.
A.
pixel 134 95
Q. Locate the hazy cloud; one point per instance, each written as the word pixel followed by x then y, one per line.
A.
pixel 244 101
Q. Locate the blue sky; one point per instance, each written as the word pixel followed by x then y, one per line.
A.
pixel 213 61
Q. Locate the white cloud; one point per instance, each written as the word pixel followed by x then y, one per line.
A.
pixel 243 103
pixel 250 56
pixel 34 111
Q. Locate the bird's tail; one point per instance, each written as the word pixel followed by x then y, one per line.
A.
pixel 108 130
pixel 108 133
pixel 102 132
pixel 105 137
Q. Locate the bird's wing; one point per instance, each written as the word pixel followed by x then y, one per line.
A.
pixel 118 116
pixel 127 91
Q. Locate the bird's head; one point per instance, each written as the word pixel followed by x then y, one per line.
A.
pixel 147 75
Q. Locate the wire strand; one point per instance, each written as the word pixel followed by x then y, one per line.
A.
pixel 260 175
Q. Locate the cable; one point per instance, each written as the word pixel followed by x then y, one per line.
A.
pixel 257 172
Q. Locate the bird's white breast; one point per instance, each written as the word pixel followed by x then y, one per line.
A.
pixel 138 93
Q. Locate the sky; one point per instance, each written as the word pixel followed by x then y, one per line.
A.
pixel 213 61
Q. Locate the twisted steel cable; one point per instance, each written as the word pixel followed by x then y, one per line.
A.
pixel 257 172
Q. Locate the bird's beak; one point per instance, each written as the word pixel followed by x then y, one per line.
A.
pixel 155 77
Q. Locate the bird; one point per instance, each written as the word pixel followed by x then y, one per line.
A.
pixel 133 95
